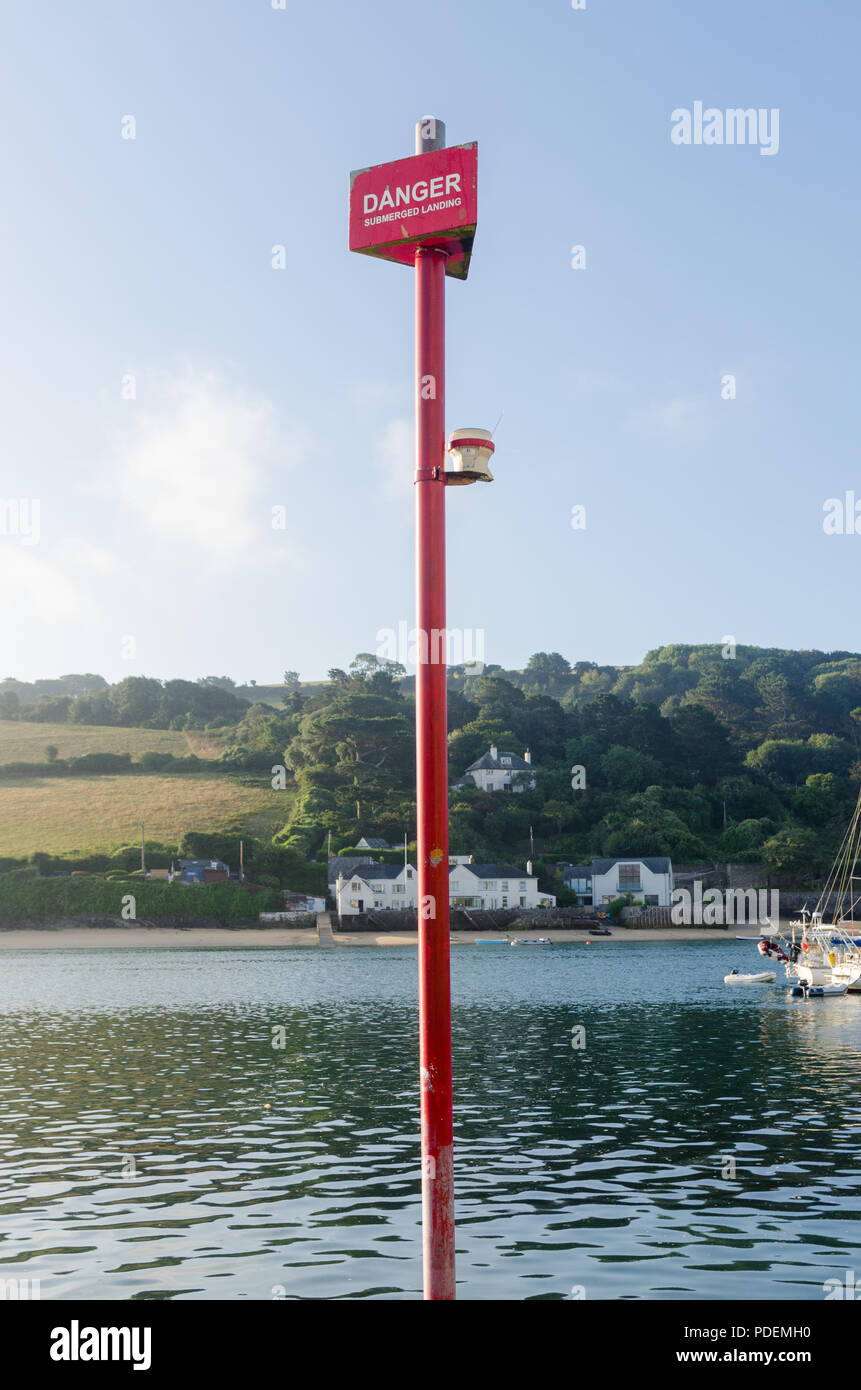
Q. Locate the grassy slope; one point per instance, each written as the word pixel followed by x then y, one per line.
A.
pixel 65 814
pixel 26 743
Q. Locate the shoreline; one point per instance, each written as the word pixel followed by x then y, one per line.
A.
pixel 221 938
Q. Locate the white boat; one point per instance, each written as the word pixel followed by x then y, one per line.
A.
pixel 735 977
pixel 848 974
pixel 818 954
pixel 531 941
pixel 817 991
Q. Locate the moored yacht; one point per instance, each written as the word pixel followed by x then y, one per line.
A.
pixel 819 954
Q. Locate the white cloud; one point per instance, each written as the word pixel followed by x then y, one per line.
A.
pixel 194 466
pixel 41 600
pixel 75 553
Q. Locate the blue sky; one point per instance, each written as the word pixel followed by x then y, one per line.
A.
pixel 257 388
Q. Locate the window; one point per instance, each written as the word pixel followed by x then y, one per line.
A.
pixel 505 902
pixel 523 885
pixel 376 888
pixel 490 883
pixel 629 876
pixel 506 786
pixel 355 887
pixel 398 888
pixel 650 900
pixel 506 761
pixel 505 887
pixel 409 873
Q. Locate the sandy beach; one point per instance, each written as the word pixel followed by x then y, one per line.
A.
pixel 221 938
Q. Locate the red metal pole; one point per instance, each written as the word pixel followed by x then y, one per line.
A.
pixel 432 783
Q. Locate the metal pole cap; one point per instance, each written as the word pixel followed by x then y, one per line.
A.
pixel 430 134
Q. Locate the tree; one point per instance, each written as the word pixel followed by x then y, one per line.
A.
pixel 291 679
pixel 547 670
pixel 704 742
pixel 221 682
pixel 558 813
pixel 362 740
pixel 792 760
pixel 629 771
pixel 52 753
pixel 375 671
pixel 792 855
pixel 743 842
pixel 820 799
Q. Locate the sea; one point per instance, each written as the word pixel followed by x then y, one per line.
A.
pixel 243 1124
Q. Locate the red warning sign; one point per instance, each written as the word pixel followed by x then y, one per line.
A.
pixel 426 200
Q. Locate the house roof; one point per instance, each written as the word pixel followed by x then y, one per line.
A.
pixel 372 842
pixel 371 872
pixel 577 871
pixel 345 865
pixel 516 763
pixel 660 865
pixel 493 870
pixel 202 864
pixel 380 871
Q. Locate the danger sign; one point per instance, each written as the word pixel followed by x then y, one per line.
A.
pixel 427 200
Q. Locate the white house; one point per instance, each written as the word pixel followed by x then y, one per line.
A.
pixel 578 877
pixel 649 881
pixel 495 886
pixel 375 887
pixel 500 771
pixel 372 887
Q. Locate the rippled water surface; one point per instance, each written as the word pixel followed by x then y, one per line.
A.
pixel 154 1143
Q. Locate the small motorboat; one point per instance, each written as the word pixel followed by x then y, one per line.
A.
pixel 735 977
pixel 817 991
pixel 531 941
pixel 492 941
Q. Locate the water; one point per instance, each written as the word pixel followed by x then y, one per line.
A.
pixel 154 1144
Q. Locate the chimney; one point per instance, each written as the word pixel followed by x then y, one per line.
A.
pixel 493 751
pixel 527 756
pixel 529 868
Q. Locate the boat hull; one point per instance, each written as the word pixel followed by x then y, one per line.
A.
pixel 764 977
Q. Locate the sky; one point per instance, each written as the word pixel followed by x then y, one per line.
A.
pixel 167 393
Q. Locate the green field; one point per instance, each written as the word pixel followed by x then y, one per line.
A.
pixel 26 743
pixel 79 814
